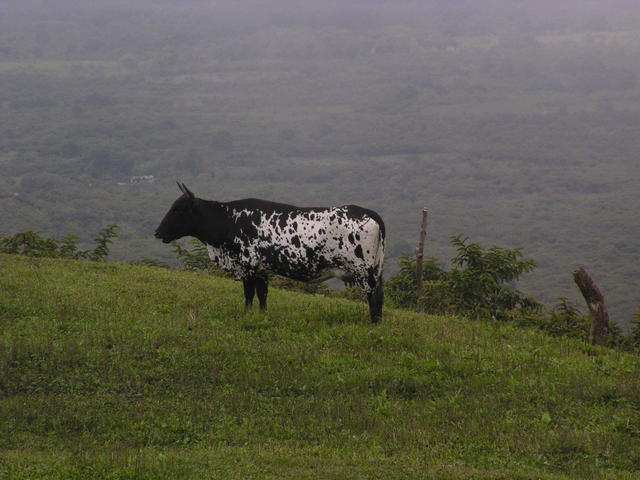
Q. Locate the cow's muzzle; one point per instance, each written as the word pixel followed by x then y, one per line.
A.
pixel 164 239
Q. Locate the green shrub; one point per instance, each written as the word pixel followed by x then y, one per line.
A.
pixel 196 258
pixel 480 283
pixel 401 287
pixel 566 319
pixel 32 244
pixel 632 340
pixel 477 286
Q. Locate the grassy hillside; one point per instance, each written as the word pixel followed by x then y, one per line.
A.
pixel 115 371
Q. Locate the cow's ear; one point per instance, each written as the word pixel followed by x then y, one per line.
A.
pixel 188 192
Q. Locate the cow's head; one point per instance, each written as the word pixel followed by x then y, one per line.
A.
pixel 182 218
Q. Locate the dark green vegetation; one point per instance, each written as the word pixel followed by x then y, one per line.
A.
pixel 33 244
pixel 514 122
pixel 117 371
pixel 476 287
pixel 479 285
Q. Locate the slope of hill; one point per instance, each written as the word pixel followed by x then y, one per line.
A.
pixel 116 371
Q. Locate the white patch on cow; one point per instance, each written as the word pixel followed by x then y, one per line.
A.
pixel 238 213
pixel 213 255
pixel 226 261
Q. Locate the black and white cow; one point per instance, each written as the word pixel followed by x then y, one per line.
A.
pixel 249 238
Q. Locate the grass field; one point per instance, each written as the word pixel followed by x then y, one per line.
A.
pixel 110 371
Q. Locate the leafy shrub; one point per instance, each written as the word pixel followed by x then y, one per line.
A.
pixel 566 319
pixel 477 286
pixel 103 240
pixel 401 287
pixel 33 244
pixel 196 258
pixel 632 340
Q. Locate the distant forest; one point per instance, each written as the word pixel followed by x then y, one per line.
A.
pixel 514 123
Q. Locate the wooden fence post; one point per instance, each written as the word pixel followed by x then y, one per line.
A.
pixel 595 302
pixel 419 260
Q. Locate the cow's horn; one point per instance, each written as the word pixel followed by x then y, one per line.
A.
pixel 188 192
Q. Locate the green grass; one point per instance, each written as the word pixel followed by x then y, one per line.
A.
pixel 110 371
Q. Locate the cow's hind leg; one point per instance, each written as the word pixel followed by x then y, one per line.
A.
pixel 249 285
pixel 262 288
pixel 376 298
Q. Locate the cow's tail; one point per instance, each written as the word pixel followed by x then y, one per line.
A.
pixel 379 257
pixel 376 296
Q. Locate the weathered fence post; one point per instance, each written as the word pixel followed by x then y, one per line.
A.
pixel 595 302
pixel 419 259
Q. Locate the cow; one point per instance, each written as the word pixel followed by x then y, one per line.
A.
pixel 251 238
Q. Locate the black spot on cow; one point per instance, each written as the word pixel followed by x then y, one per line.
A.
pixel 311 253
pixel 351 239
pixel 282 222
pixel 245 225
pixel 358 252
pixel 295 241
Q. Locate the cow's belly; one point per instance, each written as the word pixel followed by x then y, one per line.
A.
pixel 293 269
pixel 280 263
pixel 302 266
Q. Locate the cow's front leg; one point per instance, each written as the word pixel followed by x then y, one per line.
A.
pixel 249 285
pixel 262 288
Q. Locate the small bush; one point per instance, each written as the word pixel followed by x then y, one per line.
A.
pixel 32 244
pixel 196 258
pixel 565 319
pixel 478 285
pixel 401 287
